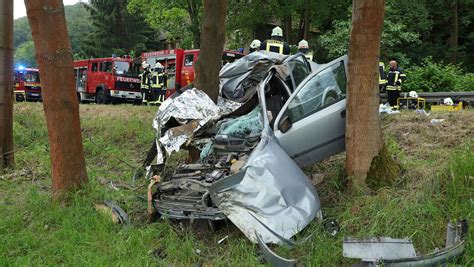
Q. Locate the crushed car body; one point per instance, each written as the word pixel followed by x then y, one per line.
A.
pixel 245 152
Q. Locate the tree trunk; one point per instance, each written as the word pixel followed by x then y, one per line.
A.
pixel 6 84
pixel 364 143
pixel 193 11
pixel 287 22
pixel 454 31
pixel 306 20
pixel 61 108
pixel 210 55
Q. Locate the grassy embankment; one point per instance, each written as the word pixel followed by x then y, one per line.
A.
pixel 436 185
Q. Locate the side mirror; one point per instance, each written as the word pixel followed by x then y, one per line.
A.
pixel 285 124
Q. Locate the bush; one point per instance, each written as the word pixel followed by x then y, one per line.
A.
pixel 437 77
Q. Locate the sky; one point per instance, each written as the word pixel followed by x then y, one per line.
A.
pixel 19 9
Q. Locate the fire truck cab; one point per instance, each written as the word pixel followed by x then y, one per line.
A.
pixel 179 65
pixel 27 86
pixel 106 80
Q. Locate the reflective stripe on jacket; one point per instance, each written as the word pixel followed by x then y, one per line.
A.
pixel 275 46
pixel 395 79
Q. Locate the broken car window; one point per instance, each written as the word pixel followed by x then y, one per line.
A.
pixel 323 89
pixel 299 70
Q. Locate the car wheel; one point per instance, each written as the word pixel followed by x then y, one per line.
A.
pixel 101 98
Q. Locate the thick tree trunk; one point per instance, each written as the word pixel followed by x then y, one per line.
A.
pixel 306 20
pixel 212 45
pixel 363 133
pixel 287 22
pixel 193 11
pixel 6 84
pixel 61 108
pixel 454 31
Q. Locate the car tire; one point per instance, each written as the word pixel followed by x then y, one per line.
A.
pixel 101 97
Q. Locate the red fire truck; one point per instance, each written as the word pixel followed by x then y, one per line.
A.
pixel 179 65
pixel 106 80
pixel 27 85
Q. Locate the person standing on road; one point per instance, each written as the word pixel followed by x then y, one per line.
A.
pixel 276 43
pixel 395 78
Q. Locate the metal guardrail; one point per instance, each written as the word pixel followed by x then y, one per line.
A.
pixel 439 96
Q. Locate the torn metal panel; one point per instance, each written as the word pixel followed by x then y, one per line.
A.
pixel 192 105
pixel 175 137
pixel 238 80
pixel 382 248
pixel 271 257
pixel 270 196
pixel 396 252
pixel 116 212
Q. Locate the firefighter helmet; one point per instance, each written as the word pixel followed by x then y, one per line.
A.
pixel 158 66
pixel 413 94
pixel 145 65
pixel 255 44
pixel 303 44
pixel 277 31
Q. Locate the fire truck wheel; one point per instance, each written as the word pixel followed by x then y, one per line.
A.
pixel 101 97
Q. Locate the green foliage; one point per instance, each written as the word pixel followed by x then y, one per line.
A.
pixel 25 54
pixel 78 24
pixel 177 20
pixel 436 187
pixel 21 31
pixel 116 30
pixel 430 76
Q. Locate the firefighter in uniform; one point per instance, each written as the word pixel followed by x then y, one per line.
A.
pixel 382 78
pixel 255 46
pixel 276 43
pixel 395 77
pixel 303 47
pixel 145 82
pixel 158 84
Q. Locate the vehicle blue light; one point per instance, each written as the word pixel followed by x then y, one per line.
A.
pixel 21 67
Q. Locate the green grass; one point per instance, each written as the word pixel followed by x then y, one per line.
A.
pixel 436 185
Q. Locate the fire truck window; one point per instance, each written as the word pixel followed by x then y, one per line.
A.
pixel 188 60
pixel 94 67
pixel 32 76
pixel 107 67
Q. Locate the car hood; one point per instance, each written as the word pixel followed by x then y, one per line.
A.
pixel 271 196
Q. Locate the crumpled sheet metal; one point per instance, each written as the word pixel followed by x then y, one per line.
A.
pixel 385 251
pixel 270 196
pixel 192 105
pixel 238 78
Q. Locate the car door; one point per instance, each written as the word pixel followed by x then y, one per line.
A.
pixel 311 125
pixel 299 68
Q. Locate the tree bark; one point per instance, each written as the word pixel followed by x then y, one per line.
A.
pixel 212 46
pixel 363 133
pixel 287 22
pixel 193 11
pixel 6 84
pixel 454 31
pixel 306 20
pixel 61 107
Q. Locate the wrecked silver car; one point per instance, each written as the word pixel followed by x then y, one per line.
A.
pixel 275 114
